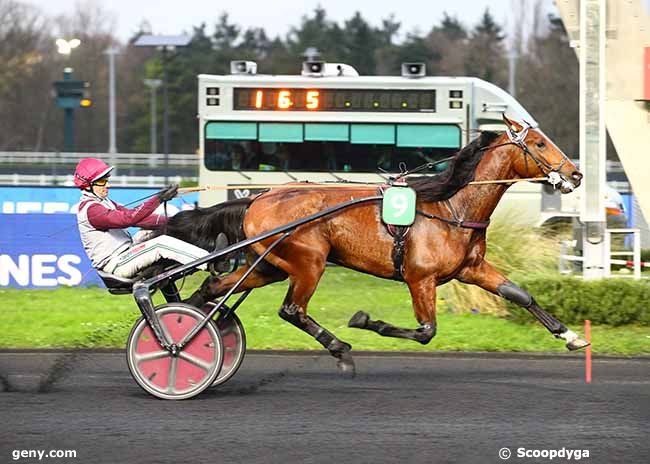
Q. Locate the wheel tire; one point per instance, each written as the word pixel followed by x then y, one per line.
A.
pixel 194 369
pixel 234 347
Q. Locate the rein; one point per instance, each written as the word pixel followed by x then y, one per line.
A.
pixel 310 185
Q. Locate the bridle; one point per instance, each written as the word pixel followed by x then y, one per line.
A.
pixel 518 139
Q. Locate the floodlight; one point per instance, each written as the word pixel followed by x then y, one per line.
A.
pixel 64 47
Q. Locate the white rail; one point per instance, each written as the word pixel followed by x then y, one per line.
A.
pixel 565 267
pixel 145 159
pixel 67 180
pixel 635 253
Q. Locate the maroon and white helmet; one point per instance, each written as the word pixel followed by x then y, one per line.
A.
pixel 89 170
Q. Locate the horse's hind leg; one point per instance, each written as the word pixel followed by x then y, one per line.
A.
pixel 486 277
pixel 423 293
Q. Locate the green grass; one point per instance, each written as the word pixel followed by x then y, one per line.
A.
pixel 83 317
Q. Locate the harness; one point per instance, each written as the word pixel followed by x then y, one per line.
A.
pixel 399 233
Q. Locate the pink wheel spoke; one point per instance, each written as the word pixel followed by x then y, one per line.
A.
pixel 206 366
pixel 171 387
pixel 151 356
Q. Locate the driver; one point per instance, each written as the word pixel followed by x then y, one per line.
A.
pixel 102 224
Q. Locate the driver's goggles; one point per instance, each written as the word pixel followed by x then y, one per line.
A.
pixel 101 182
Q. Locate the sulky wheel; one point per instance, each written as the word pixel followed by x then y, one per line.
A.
pixel 234 347
pixel 179 377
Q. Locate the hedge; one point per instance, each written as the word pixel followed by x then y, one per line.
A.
pixel 608 301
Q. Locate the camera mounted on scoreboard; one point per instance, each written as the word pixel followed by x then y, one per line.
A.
pixel 413 70
pixel 243 67
pixel 323 69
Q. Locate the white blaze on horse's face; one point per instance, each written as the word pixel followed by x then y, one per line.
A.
pixel 541 157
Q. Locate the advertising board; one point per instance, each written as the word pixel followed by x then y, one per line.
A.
pixel 39 239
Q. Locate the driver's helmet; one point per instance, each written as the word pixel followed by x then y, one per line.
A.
pixel 89 170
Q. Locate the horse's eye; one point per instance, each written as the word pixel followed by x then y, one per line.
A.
pixel 540 145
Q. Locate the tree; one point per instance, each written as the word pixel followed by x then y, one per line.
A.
pixel 26 54
pixel 548 83
pixel 317 31
pixel 362 42
pixel 486 55
pixel 452 28
pixel 449 41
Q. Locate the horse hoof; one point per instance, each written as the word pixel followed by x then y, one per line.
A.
pixel 346 368
pixel 577 344
pixel 359 320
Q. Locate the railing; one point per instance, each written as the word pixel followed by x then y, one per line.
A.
pixel 68 180
pixel 145 159
pixel 566 260
pixel 635 253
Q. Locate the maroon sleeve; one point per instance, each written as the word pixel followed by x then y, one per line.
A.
pixel 152 222
pixel 103 218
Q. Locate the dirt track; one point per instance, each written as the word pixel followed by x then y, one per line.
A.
pixel 296 409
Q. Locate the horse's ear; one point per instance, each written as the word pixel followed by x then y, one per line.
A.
pixel 512 125
pixel 507 121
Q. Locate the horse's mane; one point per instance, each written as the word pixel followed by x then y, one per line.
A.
pixel 461 171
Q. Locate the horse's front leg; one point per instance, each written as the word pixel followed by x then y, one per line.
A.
pixel 294 311
pixel 488 278
pixel 423 294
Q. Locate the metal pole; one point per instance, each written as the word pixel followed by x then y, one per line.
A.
pixel 112 146
pixel 154 136
pixel 68 130
pixel 512 71
pixel 153 84
pixel 68 119
pixel 592 137
pixel 165 114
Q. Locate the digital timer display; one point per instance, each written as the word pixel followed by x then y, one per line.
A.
pixel 370 100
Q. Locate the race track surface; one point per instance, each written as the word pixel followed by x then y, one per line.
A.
pixel 295 408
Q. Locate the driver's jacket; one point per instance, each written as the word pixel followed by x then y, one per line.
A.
pixel 102 224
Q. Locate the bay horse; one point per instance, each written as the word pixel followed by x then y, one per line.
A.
pixel 446 241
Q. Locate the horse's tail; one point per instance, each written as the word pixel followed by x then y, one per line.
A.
pixel 231 217
pixel 201 226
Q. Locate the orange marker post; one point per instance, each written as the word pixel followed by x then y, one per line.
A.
pixel 588 351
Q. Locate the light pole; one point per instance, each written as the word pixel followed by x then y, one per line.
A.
pixel 65 47
pixel 112 145
pixel 153 84
pixel 512 71
pixel 167 44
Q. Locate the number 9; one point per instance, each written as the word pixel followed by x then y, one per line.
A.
pixel 400 203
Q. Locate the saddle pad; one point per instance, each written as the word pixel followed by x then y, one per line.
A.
pixel 398 206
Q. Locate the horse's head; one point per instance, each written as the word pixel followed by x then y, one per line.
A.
pixel 539 156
